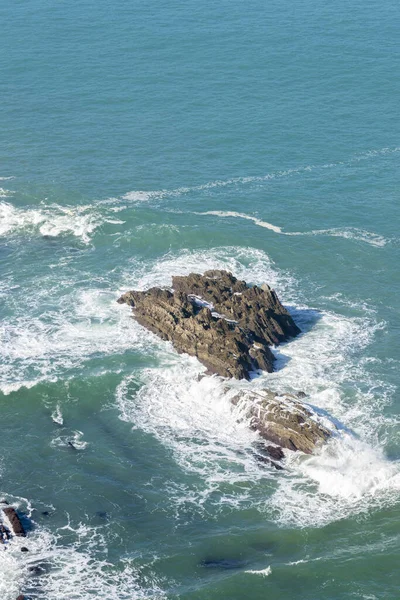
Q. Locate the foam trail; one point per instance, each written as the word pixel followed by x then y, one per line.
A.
pixel 146 196
pixel 351 233
pixel 263 572
pixel 219 213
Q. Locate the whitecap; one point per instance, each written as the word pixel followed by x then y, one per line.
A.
pixel 52 221
pixel 57 416
pixel 346 477
pixel 262 572
pixel 72 440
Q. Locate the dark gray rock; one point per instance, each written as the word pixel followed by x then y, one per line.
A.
pixel 226 324
pixel 15 522
pixel 283 420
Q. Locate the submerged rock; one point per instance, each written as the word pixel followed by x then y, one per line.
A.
pixel 283 420
pixel 226 324
pixel 222 563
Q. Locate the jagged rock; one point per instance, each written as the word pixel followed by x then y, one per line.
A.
pixel 283 420
pixel 4 534
pixel 15 522
pixel 226 324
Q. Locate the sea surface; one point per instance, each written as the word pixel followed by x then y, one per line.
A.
pixel 144 139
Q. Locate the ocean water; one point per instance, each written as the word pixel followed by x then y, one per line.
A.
pixel 141 140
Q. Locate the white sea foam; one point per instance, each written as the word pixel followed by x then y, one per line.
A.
pixel 194 418
pixel 72 440
pixel 40 348
pixel 220 213
pixel 143 196
pixel 262 572
pixel 57 416
pixel 351 233
pixel 347 477
pixel 246 263
pixel 75 570
pixel 5 193
pixel 52 221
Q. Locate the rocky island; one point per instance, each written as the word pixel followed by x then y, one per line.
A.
pixel 230 326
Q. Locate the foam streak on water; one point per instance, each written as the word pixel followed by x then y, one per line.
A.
pixel 138 196
pixel 351 233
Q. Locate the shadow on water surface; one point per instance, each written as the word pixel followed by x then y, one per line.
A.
pixel 222 563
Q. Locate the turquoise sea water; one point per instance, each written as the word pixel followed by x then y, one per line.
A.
pixel 141 140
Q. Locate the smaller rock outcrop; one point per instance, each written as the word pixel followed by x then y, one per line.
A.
pixel 14 520
pixel 228 325
pixel 283 420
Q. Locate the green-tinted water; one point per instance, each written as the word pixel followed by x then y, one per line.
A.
pixel 141 141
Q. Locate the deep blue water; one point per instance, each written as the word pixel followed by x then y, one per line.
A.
pixel 141 140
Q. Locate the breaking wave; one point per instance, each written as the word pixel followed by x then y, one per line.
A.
pixel 51 221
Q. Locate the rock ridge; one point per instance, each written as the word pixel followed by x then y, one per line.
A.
pixel 283 419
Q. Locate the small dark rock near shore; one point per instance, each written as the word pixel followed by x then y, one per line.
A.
pixel 228 325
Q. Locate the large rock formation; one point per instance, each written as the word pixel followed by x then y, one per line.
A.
pixel 283 420
pixel 226 324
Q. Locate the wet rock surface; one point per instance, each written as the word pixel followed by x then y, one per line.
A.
pixel 14 520
pixel 226 324
pixel 283 420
